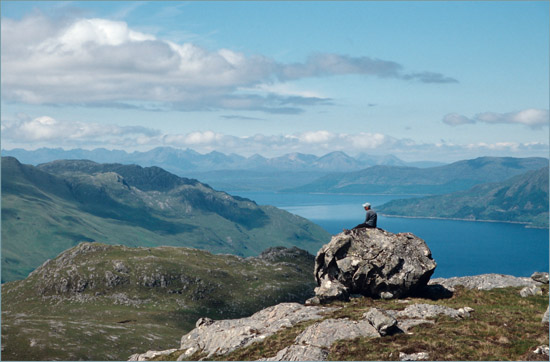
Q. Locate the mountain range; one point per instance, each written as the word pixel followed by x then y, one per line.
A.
pixel 49 208
pixel 180 161
pixel 453 177
pixel 522 198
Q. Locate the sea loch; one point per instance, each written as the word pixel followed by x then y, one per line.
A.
pixel 460 248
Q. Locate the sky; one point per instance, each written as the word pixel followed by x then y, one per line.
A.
pixel 434 80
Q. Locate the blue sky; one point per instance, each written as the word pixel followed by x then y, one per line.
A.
pixel 421 80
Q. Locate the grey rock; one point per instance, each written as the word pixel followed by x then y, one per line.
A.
pixel 325 333
pixel 420 356
pixel 382 321
pixel 300 353
pixel 314 342
pixel 406 324
pixel 375 263
pixel 330 290
pixel 313 301
pixel 543 350
pixel 530 291
pixel 112 279
pixel 465 312
pixel 545 316
pixel 204 322
pixel 424 311
pixel 540 277
pixel 120 267
pixel 149 355
pixel 224 336
pixel 484 282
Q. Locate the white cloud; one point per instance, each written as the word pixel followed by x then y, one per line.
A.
pixel 316 137
pixel 99 61
pixel 46 131
pixel 531 117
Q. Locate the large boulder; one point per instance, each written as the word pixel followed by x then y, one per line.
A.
pixel 374 263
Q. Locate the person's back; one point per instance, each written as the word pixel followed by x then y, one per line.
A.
pixel 370 218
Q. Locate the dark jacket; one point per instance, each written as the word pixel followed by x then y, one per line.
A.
pixel 370 219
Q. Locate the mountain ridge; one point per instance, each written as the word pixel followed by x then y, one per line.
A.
pixel 456 176
pixel 44 213
pixel 522 198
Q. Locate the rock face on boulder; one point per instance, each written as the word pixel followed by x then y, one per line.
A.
pixel 374 263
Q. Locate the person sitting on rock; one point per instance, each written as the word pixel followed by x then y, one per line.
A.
pixel 370 218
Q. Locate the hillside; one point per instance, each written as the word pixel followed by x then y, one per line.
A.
pixel 457 176
pixel 523 198
pixel 102 302
pixel 50 208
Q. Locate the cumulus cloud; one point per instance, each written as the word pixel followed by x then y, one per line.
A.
pixel 99 61
pixel 48 129
pixel 534 118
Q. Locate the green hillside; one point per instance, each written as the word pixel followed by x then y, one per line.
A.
pixel 51 208
pixel 102 302
pixel 457 176
pixel 523 198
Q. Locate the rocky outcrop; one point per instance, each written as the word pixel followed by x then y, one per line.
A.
pixel 374 263
pixel 314 342
pixel 485 282
pixel 214 338
pixel 224 336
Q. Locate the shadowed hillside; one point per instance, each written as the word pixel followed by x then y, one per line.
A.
pixel 50 208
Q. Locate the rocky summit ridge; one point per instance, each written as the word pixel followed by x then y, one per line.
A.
pixel 371 268
pixel 215 339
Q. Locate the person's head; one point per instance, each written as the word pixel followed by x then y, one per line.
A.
pixel 366 206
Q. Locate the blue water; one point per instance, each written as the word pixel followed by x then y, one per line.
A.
pixel 460 248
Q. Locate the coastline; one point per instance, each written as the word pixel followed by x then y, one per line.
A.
pixel 525 223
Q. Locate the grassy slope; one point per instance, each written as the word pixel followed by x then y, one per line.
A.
pixel 151 301
pixel 523 198
pixel 44 214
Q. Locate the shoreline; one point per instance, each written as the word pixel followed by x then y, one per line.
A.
pixel 525 223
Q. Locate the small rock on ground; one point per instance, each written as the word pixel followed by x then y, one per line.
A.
pixel 529 291
pixel 420 356
pixel 540 277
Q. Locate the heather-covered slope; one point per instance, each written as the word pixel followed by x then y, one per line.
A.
pixel 103 302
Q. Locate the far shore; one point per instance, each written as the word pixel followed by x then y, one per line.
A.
pixel 526 224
